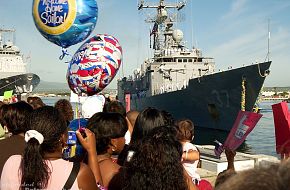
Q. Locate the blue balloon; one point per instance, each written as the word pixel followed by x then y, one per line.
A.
pixel 65 22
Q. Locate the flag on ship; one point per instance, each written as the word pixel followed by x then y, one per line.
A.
pixel 154 29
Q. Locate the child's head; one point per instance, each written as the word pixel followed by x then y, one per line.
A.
pixel 185 130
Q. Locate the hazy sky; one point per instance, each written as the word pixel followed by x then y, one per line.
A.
pixel 234 32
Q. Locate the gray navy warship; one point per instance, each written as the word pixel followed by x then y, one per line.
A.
pixel 13 75
pixel 184 82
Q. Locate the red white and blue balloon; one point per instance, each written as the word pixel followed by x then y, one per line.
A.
pixel 94 65
pixel 65 22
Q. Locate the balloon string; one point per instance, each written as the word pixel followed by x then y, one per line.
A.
pixel 79 118
pixel 64 53
pixel 76 111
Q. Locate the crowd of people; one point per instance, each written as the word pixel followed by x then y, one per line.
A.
pixel 111 149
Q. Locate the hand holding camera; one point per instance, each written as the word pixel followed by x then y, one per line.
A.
pixel 87 139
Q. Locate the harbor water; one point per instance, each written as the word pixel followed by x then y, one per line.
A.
pixel 260 141
pixel 262 138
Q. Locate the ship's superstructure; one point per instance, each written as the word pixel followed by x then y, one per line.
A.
pixel 13 74
pixel 185 83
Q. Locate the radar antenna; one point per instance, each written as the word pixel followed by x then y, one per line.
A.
pixel 161 4
pixel 8 31
pixel 162 31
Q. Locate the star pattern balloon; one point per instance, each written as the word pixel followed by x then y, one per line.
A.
pixel 94 65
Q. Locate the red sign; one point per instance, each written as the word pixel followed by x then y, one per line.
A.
pixel 282 127
pixel 127 100
pixel 244 124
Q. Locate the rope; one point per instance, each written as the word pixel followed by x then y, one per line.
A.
pixel 243 95
pixel 265 74
pixel 10 83
pixel 256 108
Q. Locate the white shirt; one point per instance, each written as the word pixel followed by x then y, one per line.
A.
pixel 190 166
pixel 127 137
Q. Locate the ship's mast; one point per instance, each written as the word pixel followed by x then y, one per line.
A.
pixel 6 31
pixel 161 31
pixel 268 39
pixel 161 4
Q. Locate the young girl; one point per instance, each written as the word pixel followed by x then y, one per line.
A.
pixel 190 156
pixel 109 129
pixel 41 165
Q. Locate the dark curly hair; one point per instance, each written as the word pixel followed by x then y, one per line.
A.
pixel 107 126
pixel 50 123
pixel 14 116
pixel 65 107
pixel 157 163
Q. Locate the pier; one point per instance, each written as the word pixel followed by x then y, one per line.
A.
pixel 275 98
pixel 211 166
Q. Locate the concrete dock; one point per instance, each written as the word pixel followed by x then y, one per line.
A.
pixel 211 166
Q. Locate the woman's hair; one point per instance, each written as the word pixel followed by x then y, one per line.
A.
pixel 148 119
pixel 185 129
pixel 168 117
pixel 132 116
pixel 35 102
pixel 65 107
pixel 157 163
pixel 1 103
pixel 14 116
pixel 274 177
pixel 115 106
pixel 107 126
pixel 224 176
pixel 50 123
pixel 3 109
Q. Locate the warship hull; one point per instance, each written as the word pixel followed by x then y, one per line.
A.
pixel 20 84
pixel 211 101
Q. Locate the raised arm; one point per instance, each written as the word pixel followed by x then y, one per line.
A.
pixel 89 143
pixel 231 158
pixel 230 171
pixel 190 155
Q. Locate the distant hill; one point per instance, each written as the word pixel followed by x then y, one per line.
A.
pixel 57 87
pixel 276 89
pixel 51 87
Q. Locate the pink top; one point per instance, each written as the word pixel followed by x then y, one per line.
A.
pixel 60 171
